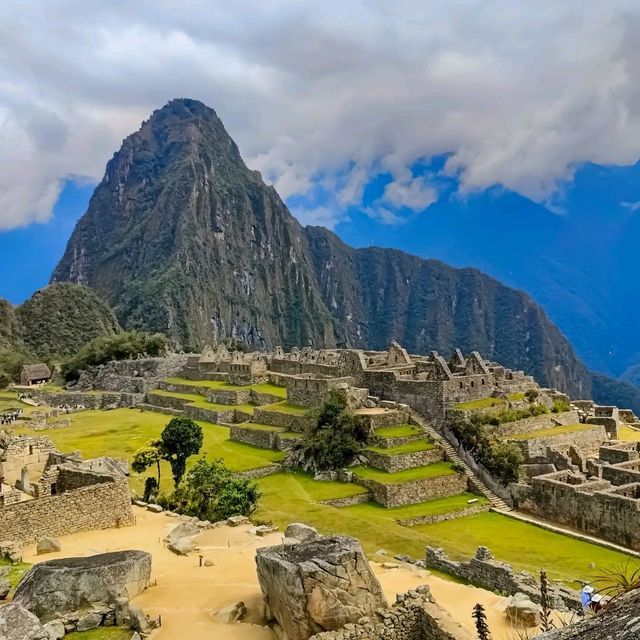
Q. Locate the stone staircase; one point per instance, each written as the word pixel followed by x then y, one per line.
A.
pixel 497 503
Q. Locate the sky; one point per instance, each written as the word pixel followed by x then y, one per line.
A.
pixel 343 106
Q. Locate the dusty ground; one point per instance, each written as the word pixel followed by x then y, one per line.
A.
pixel 187 595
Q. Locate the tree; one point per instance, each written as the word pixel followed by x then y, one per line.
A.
pixel 480 618
pixel 181 438
pixel 213 493
pixel 147 456
pixel 334 440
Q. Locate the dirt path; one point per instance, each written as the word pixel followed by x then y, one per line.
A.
pixel 187 595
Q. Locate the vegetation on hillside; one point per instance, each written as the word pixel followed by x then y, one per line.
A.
pixel 501 459
pixel 334 439
pixel 121 346
pixel 60 319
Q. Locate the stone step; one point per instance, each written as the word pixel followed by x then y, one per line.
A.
pixel 453 456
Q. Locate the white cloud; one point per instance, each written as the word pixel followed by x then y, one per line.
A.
pixel 318 216
pixel 313 90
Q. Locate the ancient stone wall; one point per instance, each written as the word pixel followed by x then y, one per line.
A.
pixel 414 616
pixel 534 423
pixel 311 391
pixel 594 506
pixel 398 495
pixel 255 437
pixel 403 461
pixel 30 454
pixel 443 517
pixel 98 506
pixel 87 400
pixel 486 572
pixel 385 418
pixel 588 440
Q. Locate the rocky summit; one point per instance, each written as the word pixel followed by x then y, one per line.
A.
pixel 181 237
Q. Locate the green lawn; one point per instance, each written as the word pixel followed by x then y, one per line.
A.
pixel 121 432
pixel 374 511
pixel 515 397
pixel 552 431
pixel 273 389
pixel 482 403
pixel 428 471
pixel 399 431
pixel 287 407
pixel 289 497
pixel 409 447
pixel 628 434
pixel 103 633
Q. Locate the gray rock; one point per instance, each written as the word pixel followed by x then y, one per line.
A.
pixel 55 629
pixel 121 611
pixel 183 530
pixel 265 530
pixel 55 588
pixel 301 532
pixel 155 508
pixel 236 521
pixel 89 621
pixel 136 636
pixel 16 623
pixel 317 585
pixel 520 610
pixel 137 620
pixel 10 550
pixel 232 613
pixel 181 546
pixel 47 545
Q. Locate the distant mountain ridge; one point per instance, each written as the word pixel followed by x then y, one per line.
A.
pixel 181 237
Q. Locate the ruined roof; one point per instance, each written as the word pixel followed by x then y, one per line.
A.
pixel 35 371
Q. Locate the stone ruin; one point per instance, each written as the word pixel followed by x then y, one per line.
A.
pixel 318 585
pixel 78 594
pixel 322 588
pixel 47 493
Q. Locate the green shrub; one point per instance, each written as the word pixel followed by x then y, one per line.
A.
pixel 531 395
pixel 560 406
pixel 211 492
pixel 501 459
pixel 333 441
pixel 508 415
pixel 119 347
pixel 5 379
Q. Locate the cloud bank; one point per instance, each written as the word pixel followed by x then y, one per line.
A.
pixel 324 95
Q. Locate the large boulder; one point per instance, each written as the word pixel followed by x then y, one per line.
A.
pixel 318 585
pixel 180 538
pixel 16 623
pixel 56 588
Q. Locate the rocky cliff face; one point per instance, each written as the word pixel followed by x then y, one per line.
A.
pixel 181 237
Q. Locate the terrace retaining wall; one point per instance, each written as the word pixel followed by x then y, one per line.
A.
pixel 255 437
pixel 587 440
pixel 403 461
pixel 443 517
pixel 414 491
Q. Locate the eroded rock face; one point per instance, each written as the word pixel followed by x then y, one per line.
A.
pixel 317 585
pixel 56 588
pixel 16 623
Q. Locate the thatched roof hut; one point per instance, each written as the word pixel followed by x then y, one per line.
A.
pixel 35 373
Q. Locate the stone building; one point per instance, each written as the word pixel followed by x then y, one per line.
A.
pixel 600 496
pixel 47 493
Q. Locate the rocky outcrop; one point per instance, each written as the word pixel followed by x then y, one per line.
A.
pixel 318 585
pixel 16 623
pixel 180 538
pixel 47 545
pixel 620 620
pixel 56 588
pixel 299 532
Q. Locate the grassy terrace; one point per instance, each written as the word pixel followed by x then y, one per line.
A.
pixel 256 426
pixel 410 447
pixel 628 434
pixel 103 633
pixel 552 431
pixel 121 432
pixel 292 497
pixel 201 401
pixel 399 431
pixel 16 571
pixel 287 407
pixel 483 403
pixel 375 511
pixel 428 471
pixel 273 389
